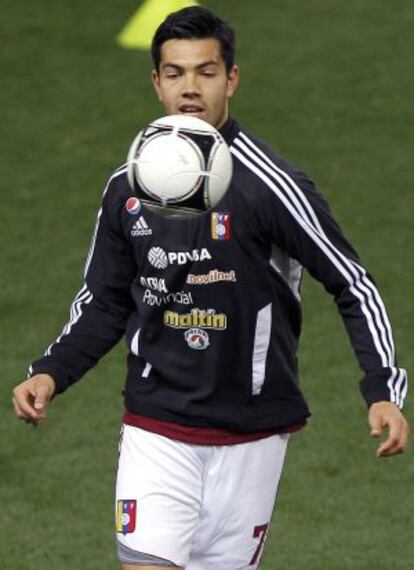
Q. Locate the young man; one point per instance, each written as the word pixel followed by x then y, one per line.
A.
pixel 206 427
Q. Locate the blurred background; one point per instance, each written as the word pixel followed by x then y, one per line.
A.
pixel 329 84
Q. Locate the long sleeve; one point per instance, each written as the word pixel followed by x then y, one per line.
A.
pixel 299 221
pixel 100 310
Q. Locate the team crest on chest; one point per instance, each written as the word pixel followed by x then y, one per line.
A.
pixel 220 226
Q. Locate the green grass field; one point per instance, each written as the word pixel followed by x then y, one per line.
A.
pixel 329 84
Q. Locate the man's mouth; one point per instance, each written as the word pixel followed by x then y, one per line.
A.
pixel 191 109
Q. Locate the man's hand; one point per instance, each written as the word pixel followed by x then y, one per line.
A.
pixel 387 415
pixel 31 397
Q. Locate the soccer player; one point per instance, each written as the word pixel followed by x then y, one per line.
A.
pixel 211 394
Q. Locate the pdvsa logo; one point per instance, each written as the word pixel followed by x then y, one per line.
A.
pixel 160 259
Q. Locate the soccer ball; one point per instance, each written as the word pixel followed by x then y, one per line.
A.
pixel 179 166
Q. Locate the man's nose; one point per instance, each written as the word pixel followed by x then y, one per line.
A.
pixel 190 86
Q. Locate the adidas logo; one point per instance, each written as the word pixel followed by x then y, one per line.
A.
pixel 141 228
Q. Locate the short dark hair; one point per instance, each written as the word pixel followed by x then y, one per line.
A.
pixel 195 22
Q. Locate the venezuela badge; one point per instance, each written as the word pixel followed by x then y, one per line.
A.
pixel 126 512
pixel 220 226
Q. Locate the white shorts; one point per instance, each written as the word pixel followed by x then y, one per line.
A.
pixel 196 506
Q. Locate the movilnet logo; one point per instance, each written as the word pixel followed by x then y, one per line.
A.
pixel 220 226
pixel 213 276
pixel 126 515
pixel 133 206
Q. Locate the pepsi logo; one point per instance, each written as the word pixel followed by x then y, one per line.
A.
pixel 133 206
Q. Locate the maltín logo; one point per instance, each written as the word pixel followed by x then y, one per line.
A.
pixel 197 318
pixel 141 228
pixel 196 321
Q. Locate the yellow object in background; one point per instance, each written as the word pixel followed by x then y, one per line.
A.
pixel 139 30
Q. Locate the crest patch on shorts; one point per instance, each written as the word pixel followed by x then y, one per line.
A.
pixel 126 511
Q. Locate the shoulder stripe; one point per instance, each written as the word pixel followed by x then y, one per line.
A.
pixel 283 176
pixel 120 167
pixel 98 218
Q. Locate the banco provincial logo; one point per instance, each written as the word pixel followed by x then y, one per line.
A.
pixel 154 283
pixel 180 297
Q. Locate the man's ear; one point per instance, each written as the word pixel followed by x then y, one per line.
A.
pixel 155 78
pixel 233 80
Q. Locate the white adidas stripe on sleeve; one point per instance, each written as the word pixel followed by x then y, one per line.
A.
pixel 295 201
pixel 362 281
pixel 84 296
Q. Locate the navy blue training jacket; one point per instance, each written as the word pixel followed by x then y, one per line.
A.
pixel 210 306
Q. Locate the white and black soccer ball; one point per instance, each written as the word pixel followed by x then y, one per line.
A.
pixel 179 166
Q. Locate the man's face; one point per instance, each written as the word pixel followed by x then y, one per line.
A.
pixel 192 79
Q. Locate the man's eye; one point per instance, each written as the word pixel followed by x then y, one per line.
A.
pixel 172 75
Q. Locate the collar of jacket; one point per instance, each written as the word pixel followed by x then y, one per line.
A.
pixel 229 130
